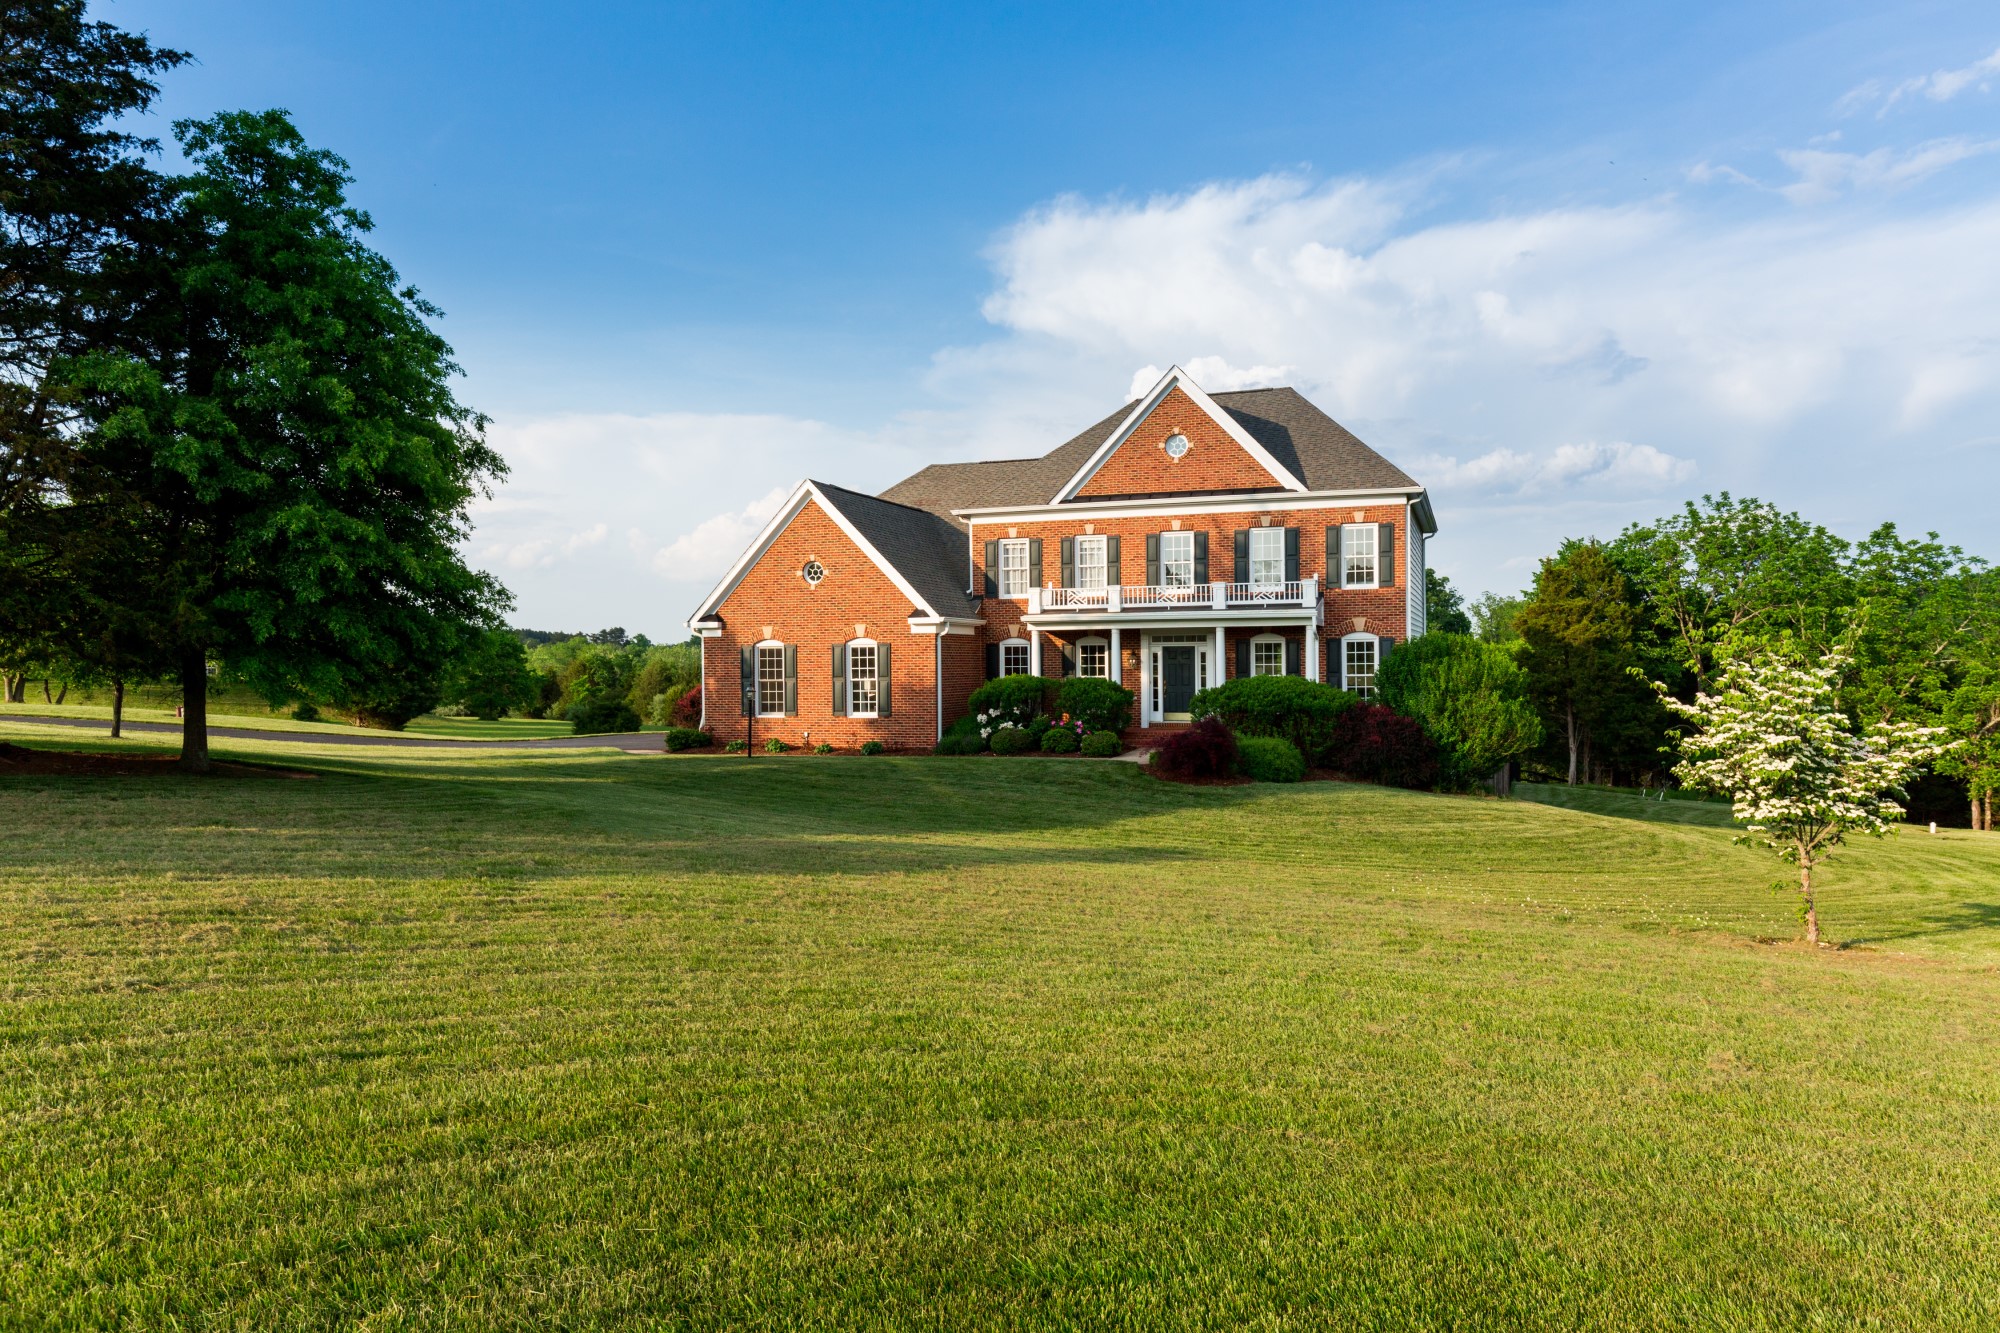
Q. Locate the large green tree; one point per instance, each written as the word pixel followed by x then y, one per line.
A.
pixel 281 410
pixel 1444 606
pixel 1470 696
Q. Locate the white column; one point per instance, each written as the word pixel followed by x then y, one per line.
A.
pixel 1117 661
pixel 1312 652
pixel 1145 682
pixel 1217 672
pixel 1034 652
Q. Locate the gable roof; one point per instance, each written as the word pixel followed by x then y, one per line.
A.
pixel 1176 378
pixel 916 549
pixel 1305 441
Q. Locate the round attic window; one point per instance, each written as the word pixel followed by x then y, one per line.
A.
pixel 1175 445
pixel 813 572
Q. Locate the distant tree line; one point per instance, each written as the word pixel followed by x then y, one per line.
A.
pixel 1913 623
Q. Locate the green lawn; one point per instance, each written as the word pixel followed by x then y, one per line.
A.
pixel 466 728
pixel 583 1040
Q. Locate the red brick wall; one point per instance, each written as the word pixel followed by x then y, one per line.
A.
pixel 774 601
pixel 1213 462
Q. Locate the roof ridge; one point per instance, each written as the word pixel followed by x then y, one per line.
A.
pixel 864 495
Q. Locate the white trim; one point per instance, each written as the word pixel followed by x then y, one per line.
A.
pixel 1024 646
pixel 757 683
pixel 1357 528
pixel 805 491
pixel 850 646
pixel 1358 637
pixel 1100 640
pixel 1151 620
pixel 1145 408
pixel 1164 506
pixel 1278 639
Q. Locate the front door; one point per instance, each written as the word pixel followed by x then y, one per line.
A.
pixel 1176 678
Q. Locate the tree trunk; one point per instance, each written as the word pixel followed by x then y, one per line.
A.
pixel 62 693
pixel 1569 719
pixel 117 707
pixel 1806 888
pixel 17 688
pixel 194 712
pixel 47 698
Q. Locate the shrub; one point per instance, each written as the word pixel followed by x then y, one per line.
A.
pixel 1098 704
pixel 973 744
pixel 735 747
pixel 687 708
pixel 1012 740
pixel 1270 759
pixel 823 748
pixel 872 747
pixel 1301 711
pixel 775 746
pixel 1375 743
pixel 599 716
pixel 1059 740
pixel 1018 700
pixel 1470 697
pixel 1205 750
pixel 307 711
pixel 1103 745
pixel 687 738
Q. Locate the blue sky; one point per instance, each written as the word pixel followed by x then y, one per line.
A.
pixel 1568 264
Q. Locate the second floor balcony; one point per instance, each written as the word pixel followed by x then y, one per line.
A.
pixel 1116 598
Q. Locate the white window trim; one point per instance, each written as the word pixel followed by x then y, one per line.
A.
pixel 1355 530
pixel 1027 651
pixel 1267 537
pixel 852 644
pixel 1101 545
pixel 757 655
pixel 1094 641
pixel 1376 641
pixel 1014 544
pixel 1165 582
pixel 1278 639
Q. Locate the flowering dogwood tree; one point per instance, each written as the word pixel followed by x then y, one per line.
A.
pixel 1773 737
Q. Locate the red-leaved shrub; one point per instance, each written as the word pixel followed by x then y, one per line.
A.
pixel 687 709
pixel 1205 750
pixel 1375 743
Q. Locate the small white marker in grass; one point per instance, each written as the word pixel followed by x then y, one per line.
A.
pixel 1933 826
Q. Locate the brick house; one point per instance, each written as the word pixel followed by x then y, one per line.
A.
pixel 1187 538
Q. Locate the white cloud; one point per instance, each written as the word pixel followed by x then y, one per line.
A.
pixel 1212 373
pixel 1618 465
pixel 1937 86
pixel 1823 174
pixel 714 544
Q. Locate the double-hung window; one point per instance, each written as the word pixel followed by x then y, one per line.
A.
pixel 1090 563
pixel 1177 559
pixel 771 680
pixel 1014 567
pixel 862 695
pixel 1359 676
pixel 1267 657
pixel 1267 557
pixel 1093 658
pixel 1014 658
pixel 1357 555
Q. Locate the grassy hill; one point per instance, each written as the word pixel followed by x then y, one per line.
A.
pixel 578 1040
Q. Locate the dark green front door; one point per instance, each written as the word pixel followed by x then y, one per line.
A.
pixel 1176 678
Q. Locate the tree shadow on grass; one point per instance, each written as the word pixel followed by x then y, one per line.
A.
pixel 1957 918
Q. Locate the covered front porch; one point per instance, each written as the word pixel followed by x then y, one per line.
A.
pixel 1165 659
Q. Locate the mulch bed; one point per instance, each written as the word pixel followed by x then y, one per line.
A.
pixel 19 761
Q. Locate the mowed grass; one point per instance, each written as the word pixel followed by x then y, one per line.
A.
pixel 449 1041
pixel 463 728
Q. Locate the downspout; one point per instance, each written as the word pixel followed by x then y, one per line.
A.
pixel 937 680
pixel 702 640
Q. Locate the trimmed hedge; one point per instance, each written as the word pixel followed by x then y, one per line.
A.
pixel 1058 740
pixel 1103 745
pixel 1098 704
pixel 1012 740
pixel 1204 750
pixel 1270 759
pixel 687 738
pixel 1301 711
pixel 973 744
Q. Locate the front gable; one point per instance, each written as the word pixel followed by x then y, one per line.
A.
pixel 1212 452
pixel 810 537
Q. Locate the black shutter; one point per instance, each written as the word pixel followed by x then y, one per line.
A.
pixel 992 661
pixel 840 680
pixel 1242 658
pixel 1068 660
pixel 1292 558
pixel 791 680
pixel 1034 562
pixel 1383 644
pixel 1200 558
pixel 1113 575
pixel 749 682
pixel 1336 670
pixel 1334 574
pixel 1292 667
pixel 1242 555
pixel 1069 562
pixel 882 675
pixel 1385 556
pixel 1152 559
pixel 993 569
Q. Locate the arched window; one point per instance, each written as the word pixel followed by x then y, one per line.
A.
pixel 864 678
pixel 1013 657
pixel 1093 658
pixel 1360 654
pixel 773 680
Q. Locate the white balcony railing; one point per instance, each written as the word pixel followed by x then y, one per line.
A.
pixel 1175 597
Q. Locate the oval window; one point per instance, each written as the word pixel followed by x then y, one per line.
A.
pixel 1175 445
pixel 813 572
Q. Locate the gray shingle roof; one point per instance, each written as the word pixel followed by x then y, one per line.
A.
pixel 925 549
pixel 1317 449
